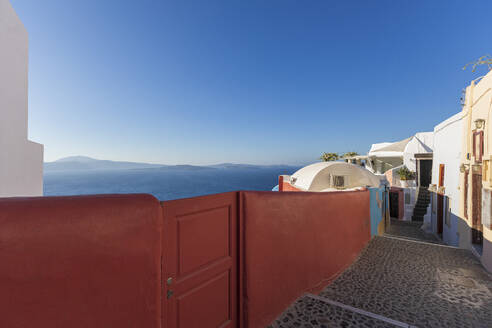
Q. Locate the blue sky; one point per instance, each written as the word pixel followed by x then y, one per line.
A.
pixel 265 82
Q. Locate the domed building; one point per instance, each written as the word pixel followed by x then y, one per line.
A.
pixel 329 176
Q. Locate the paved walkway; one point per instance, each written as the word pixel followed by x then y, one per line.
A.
pixel 410 230
pixel 400 283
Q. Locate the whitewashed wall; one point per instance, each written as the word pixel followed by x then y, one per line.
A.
pixel 448 136
pixel 21 161
pixel 421 143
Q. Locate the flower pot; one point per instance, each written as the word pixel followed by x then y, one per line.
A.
pixel 404 183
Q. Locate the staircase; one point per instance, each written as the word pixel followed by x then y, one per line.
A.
pixel 421 205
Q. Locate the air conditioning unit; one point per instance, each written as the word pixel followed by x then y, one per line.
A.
pixel 338 181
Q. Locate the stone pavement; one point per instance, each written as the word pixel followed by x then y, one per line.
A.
pixel 400 283
pixel 410 230
pixel 310 311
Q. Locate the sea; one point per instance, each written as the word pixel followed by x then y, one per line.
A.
pixel 163 184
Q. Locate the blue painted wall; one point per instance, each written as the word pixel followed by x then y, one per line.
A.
pixel 377 204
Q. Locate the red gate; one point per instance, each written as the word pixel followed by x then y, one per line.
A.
pixel 200 262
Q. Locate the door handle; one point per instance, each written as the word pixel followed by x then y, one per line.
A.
pixel 170 293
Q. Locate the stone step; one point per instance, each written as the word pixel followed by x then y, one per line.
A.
pixel 418 204
pixel 421 204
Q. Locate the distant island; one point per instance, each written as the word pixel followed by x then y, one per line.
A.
pixel 84 163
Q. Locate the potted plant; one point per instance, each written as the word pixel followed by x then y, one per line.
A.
pixel 405 174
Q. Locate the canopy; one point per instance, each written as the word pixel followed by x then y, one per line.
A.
pixel 403 150
pixel 398 146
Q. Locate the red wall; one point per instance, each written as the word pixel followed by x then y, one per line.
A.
pixel 97 261
pixel 288 187
pixel 285 185
pixel 296 242
pixel 88 261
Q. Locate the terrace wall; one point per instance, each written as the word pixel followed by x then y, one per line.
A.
pixel 295 243
pixel 87 261
pixel 105 261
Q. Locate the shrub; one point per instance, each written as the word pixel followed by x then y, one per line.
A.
pixel 406 174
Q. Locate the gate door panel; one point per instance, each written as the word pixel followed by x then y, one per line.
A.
pixel 200 261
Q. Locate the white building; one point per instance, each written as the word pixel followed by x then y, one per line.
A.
pixel 388 155
pixel 21 160
pixel 443 217
pixel 329 176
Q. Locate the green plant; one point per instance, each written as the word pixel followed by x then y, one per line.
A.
pixel 484 60
pixel 328 157
pixel 350 154
pixel 405 173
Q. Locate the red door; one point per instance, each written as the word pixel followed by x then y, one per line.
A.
pixel 477 235
pixel 200 262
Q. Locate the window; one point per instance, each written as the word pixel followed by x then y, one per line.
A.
pixel 407 197
pixel 441 175
pixel 478 145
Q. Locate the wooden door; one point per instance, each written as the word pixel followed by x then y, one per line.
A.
pixel 386 210
pixel 465 195
pixel 441 175
pixel 200 264
pixel 425 172
pixel 394 210
pixel 477 236
pixel 440 213
pixel 440 198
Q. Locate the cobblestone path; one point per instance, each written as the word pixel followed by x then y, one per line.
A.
pixel 410 230
pixel 400 283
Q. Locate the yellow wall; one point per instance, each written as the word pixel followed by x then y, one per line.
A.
pixel 478 105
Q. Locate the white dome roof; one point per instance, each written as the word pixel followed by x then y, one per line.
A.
pixel 318 176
